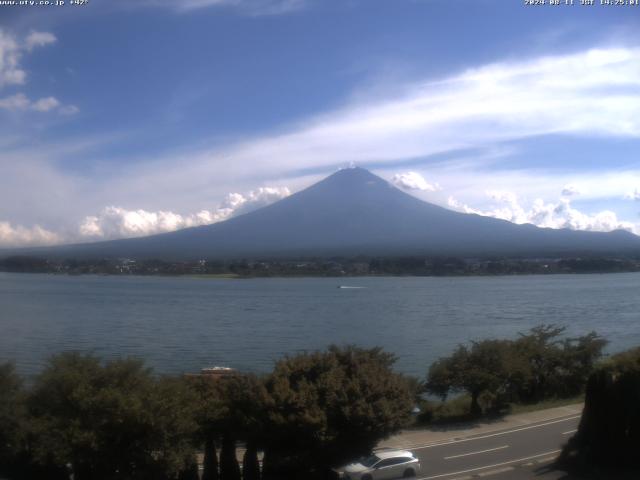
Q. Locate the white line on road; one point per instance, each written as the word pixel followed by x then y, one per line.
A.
pixel 517 460
pixel 449 442
pixel 476 453
pixel 569 432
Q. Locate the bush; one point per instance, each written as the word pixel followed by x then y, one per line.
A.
pixel 609 431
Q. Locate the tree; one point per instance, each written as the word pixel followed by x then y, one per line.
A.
pixel 229 468
pixel 210 410
pixel 250 464
pixel 230 409
pixel 327 407
pixel 488 367
pixel 245 402
pixel 172 433
pixel 556 367
pixel 12 418
pixel 190 470
pixel 609 431
pixel 112 420
pixel 210 462
pixel 536 366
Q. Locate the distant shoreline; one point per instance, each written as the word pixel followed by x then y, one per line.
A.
pixel 336 267
pixel 335 277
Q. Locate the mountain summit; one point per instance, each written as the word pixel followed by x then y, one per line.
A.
pixel 354 212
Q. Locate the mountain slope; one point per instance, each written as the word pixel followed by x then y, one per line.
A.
pixel 355 212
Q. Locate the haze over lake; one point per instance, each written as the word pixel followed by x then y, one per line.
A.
pixel 180 324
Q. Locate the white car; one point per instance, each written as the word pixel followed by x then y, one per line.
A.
pixel 382 465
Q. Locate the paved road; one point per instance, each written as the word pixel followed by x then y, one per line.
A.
pixel 517 450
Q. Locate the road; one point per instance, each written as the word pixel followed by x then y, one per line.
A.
pixel 514 450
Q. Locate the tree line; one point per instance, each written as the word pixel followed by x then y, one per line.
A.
pixel 541 364
pixel 323 267
pixel 102 420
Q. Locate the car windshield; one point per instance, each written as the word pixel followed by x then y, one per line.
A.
pixel 369 461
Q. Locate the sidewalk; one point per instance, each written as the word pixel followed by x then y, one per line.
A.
pixel 441 434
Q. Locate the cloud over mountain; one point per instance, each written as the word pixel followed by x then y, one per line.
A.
pixel 115 222
pixel 560 214
pixel 20 236
pixel 413 181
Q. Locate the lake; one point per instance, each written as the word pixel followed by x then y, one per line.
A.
pixel 180 324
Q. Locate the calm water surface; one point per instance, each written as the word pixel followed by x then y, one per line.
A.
pixel 183 324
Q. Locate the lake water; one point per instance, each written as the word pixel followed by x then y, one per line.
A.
pixel 182 324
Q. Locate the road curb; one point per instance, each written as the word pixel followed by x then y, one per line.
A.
pixel 510 421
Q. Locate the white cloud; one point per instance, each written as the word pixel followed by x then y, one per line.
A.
pixel 413 181
pixel 570 190
pixel 116 222
pixel 19 236
pixel 68 110
pixel 590 93
pixel 255 199
pixel 10 71
pixel 20 102
pixel 11 50
pixel 45 104
pixel 39 39
pixel 634 195
pixel 560 214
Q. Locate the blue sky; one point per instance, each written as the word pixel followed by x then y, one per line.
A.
pixel 126 118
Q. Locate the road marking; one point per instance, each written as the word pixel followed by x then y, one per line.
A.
pixel 545 460
pixel 517 460
pixel 449 442
pixel 476 453
pixel 495 472
pixel 569 432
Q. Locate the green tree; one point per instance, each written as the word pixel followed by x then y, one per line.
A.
pixel 110 421
pixel 536 366
pixel 245 401
pixel 172 431
pixel 210 462
pixel 609 432
pixel 555 366
pixel 250 464
pixel 230 409
pixel 210 412
pixel 229 468
pixel 190 470
pixel 488 368
pixel 12 418
pixel 327 407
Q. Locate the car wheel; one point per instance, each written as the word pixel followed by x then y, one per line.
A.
pixel 366 477
pixel 408 473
